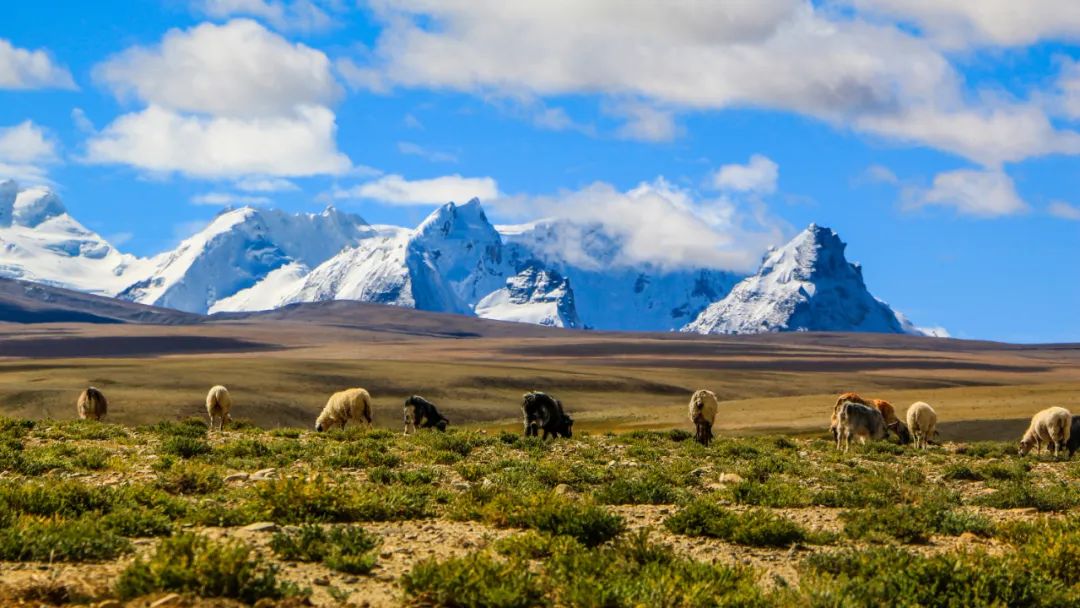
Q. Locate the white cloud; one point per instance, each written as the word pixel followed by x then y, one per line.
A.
pixel 412 122
pixel 655 223
pixel 1064 210
pixel 960 24
pixel 645 122
pixel 25 150
pixel 265 184
pixel 396 190
pixel 228 198
pixel 82 122
pixel 815 59
pixel 237 69
pixel 981 193
pixel 435 156
pixel 160 140
pixel 224 101
pixel 297 15
pixel 26 143
pixel 758 176
pixel 23 69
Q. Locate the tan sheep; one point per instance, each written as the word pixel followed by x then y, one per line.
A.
pixel 703 408
pixel 218 406
pixel 922 421
pixel 342 407
pixel 1051 426
pixel 92 404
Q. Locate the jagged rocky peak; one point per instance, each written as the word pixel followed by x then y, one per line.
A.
pixel 806 285
pixel 9 189
pixel 31 206
pixel 534 295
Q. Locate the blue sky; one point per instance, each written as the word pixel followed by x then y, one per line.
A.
pixel 940 139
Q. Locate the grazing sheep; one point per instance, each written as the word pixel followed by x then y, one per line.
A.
pixel 888 413
pixel 218 405
pixel 92 404
pixel 1074 436
pixel 342 407
pixel 541 411
pixel 703 407
pixel 922 419
pixel 861 421
pixel 1051 426
pixel 418 409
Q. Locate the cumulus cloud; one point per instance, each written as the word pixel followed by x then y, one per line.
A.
pixel 1064 210
pixel 396 190
pixel 655 223
pixel 960 24
pixel 24 69
pixel 981 193
pixel 160 140
pixel 296 15
pixel 236 69
pixel 758 176
pixel 228 198
pixel 224 101
pixel 787 55
pixel 25 150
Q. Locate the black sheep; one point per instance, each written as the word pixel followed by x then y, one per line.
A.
pixel 423 412
pixel 543 412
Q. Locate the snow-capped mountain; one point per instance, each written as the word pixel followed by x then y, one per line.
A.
pixel 611 293
pixel 239 249
pixel 806 285
pixel 533 295
pixel 551 272
pixel 41 242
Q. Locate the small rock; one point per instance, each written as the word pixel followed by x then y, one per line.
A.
pixel 563 490
pixel 969 538
pixel 236 477
pixel 698 472
pixel 168 600
pixel 460 486
pixel 1024 511
pixel 142 542
pixel 352 580
pixel 264 474
pixel 261 526
pixel 322 581
pixel 730 478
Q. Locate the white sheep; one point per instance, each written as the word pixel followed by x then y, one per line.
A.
pixel 92 404
pixel 218 406
pixel 703 408
pixel 1051 426
pixel 342 407
pixel 922 421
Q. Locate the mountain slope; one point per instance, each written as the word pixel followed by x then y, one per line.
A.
pixel 534 295
pixel 41 242
pixel 806 285
pixel 26 302
pixel 238 250
pixel 610 292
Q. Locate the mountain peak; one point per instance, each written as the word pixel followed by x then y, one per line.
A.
pixel 36 204
pixel 806 285
pixel 453 221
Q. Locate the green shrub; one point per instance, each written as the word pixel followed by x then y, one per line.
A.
pixel 648 489
pixel 295 501
pixel 776 493
pixel 191 478
pixel 349 549
pixel 477 580
pixel 589 524
pixel 55 539
pixel 913 523
pixel 185 446
pixel 885 576
pixel 189 563
pixel 1022 494
pixel 757 527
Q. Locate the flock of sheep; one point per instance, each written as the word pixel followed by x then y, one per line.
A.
pixel 852 416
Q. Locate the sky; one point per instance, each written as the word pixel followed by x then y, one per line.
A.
pixel 940 139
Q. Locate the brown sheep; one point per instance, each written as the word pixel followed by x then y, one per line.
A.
pixel 92 404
